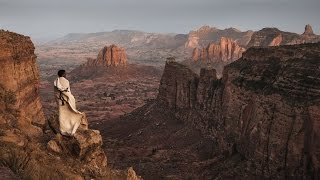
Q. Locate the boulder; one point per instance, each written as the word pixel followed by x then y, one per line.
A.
pixel 53 123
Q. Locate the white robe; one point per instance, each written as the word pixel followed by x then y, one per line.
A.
pixel 69 117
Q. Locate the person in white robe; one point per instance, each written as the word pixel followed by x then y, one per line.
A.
pixel 69 117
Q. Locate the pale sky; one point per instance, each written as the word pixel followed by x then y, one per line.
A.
pixel 55 18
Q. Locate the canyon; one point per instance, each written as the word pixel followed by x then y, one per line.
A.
pixel 197 49
pixel 258 121
pixel 226 104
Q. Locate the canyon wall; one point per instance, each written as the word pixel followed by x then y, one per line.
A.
pixel 265 108
pixel 30 145
pixel 225 51
pixel 19 83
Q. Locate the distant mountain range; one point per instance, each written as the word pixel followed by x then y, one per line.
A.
pixel 154 48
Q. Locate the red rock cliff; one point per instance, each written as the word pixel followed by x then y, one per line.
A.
pixel 225 51
pixel 19 82
pixel 110 56
pixel 24 147
pixel 206 34
pixel 266 108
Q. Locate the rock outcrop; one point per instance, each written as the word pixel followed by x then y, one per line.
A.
pixel 19 83
pixel 85 145
pixel 265 108
pixel 178 88
pixel 308 30
pixel 206 34
pixel 27 146
pixel 275 37
pixel 110 56
pixel 225 51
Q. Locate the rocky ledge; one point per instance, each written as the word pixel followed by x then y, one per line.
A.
pixel 27 145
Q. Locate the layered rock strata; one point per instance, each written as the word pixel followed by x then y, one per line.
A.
pixel 275 37
pixel 225 51
pixel 110 56
pixel 27 146
pixel 19 82
pixel 265 108
pixel 206 34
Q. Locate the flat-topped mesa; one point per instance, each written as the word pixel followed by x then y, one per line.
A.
pixel 226 50
pixel 19 82
pixel 110 56
pixel 308 30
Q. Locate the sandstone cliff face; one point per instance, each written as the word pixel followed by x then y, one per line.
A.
pixel 226 51
pixel 265 108
pixel 19 82
pixel 269 102
pixel 23 134
pixel 275 37
pixel 206 34
pixel 110 56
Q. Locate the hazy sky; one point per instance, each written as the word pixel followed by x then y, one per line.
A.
pixel 53 18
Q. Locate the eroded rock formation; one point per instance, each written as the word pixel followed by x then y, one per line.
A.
pixel 19 82
pixel 308 30
pixel 23 134
pixel 180 90
pixel 206 34
pixel 110 56
pixel 275 37
pixel 265 108
pixel 225 51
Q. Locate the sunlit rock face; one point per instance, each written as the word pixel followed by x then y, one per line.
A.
pixel 110 56
pixel 27 145
pixel 206 34
pixel 225 51
pixel 19 82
